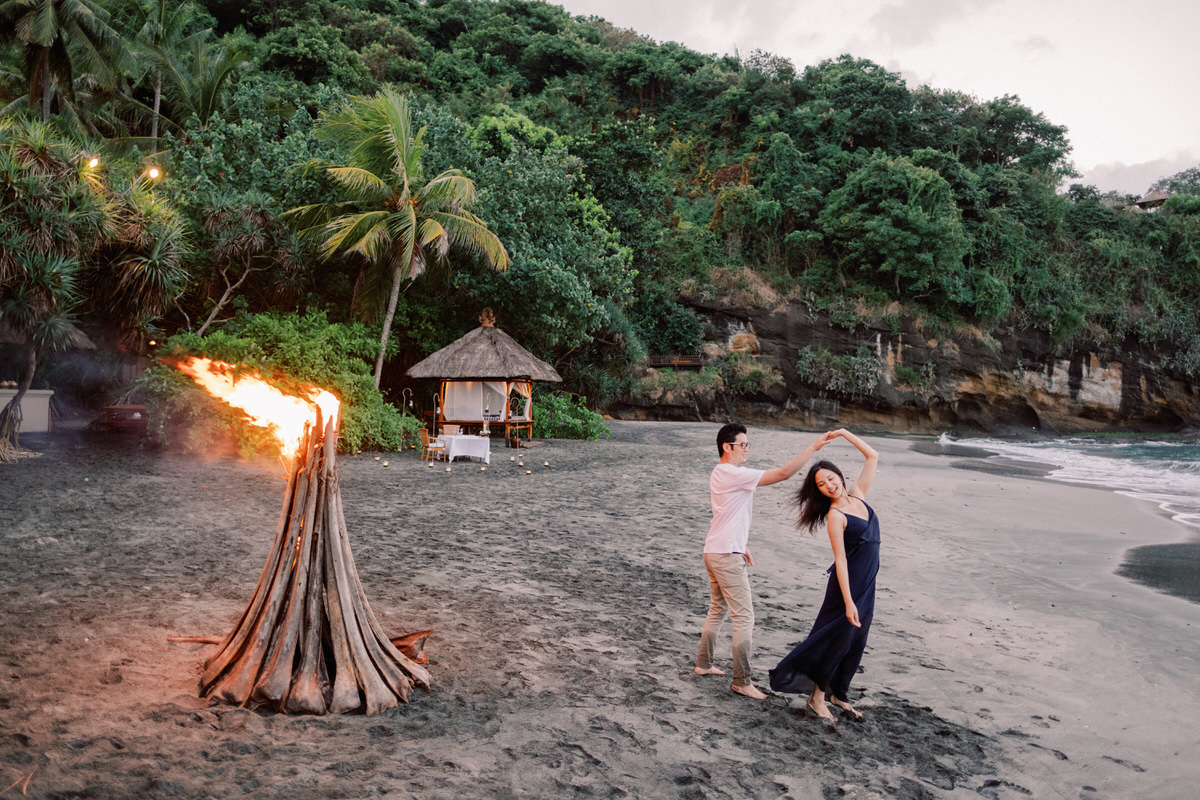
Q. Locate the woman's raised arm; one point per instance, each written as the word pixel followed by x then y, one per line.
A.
pixel 868 471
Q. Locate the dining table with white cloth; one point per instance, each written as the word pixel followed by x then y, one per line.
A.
pixel 471 446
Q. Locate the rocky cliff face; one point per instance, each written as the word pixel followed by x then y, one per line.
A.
pixel 966 382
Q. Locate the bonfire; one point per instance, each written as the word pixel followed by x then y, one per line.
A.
pixel 307 641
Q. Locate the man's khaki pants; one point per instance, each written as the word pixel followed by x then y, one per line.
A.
pixel 729 585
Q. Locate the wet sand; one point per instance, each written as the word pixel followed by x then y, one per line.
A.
pixel 1170 568
pixel 1007 659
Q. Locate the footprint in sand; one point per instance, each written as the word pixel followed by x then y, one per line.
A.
pixel 997 789
pixel 1124 763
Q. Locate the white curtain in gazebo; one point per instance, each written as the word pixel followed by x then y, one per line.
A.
pixel 525 389
pixel 464 400
pixel 475 400
pixel 495 395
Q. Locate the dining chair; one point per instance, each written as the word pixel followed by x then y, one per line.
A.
pixel 431 447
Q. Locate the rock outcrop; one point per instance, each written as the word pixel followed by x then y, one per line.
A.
pixel 1012 381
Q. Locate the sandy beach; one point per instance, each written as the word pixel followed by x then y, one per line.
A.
pixel 1008 659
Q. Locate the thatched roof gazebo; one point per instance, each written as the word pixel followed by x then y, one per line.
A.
pixel 1152 200
pixel 487 378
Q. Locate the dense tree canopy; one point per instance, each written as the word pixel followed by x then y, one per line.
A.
pixel 620 174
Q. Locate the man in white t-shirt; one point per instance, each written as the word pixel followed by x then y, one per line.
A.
pixel 727 553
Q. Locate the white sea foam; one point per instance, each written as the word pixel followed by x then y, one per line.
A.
pixel 1162 472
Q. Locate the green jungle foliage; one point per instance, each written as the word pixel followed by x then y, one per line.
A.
pixel 914 378
pixel 290 349
pixel 842 376
pixel 744 375
pixel 735 374
pixel 621 175
pixel 565 416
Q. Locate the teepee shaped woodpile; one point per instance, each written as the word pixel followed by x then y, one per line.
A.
pixel 308 642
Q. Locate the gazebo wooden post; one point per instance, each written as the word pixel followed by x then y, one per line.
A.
pixel 442 411
pixel 508 384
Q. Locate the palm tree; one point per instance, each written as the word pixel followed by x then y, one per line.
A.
pixel 162 27
pixel 54 36
pixel 194 74
pixel 392 217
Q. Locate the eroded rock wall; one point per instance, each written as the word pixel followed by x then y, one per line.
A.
pixel 1011 382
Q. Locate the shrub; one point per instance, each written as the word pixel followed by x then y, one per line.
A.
pixel 287 349
pixel 848 376
pixel 745 375
pixel 669 379
pixel 665 325
pixel 911 377
pixel 181 416
pixel 843 312
pixel 559 415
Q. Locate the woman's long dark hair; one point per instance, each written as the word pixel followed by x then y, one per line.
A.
pixel 814 506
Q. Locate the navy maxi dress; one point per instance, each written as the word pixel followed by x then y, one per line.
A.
pixel 829 657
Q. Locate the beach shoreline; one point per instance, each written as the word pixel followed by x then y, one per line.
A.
pixel 1171 566
pixel 566 606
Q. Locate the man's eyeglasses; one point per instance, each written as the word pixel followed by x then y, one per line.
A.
pixel 743 445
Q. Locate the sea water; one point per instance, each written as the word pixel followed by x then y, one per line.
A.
pixel 1165 472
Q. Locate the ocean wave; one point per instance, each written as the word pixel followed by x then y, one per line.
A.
pixel 1162 472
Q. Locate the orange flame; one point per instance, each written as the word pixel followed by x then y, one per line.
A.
pixel 263 404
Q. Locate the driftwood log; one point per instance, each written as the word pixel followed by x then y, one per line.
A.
pixel 307 641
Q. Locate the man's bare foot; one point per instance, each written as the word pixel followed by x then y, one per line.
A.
pixel 844 706
pixel 818 707
pixel 749 690
pixel 709 671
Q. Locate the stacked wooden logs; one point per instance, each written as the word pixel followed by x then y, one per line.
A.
pixel 308 641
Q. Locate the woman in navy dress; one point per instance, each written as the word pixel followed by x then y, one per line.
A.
pixel 824 664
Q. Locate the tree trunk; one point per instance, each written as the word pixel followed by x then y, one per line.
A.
pixel 42 72
pixel 10 416
pixel 10 426
pixel 157 105
pixel 389 315
pixel 226 296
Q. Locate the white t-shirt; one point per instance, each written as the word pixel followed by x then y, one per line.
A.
pixel 732 491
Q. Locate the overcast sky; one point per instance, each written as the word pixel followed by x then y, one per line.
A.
pixel 1123 76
